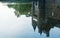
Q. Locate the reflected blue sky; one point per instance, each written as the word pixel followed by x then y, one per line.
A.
pixel 13 27
pixel 55 32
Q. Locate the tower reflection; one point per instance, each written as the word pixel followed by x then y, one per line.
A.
pixel 45 27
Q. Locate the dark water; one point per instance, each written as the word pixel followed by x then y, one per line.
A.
pixel 16 22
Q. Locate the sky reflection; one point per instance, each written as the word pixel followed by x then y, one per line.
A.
pixel 13 27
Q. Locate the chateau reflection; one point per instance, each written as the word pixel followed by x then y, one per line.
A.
pixel 44 16
pixel 45 27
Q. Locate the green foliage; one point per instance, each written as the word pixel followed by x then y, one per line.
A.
pixel 21 8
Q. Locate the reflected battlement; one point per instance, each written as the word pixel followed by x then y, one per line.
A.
pixel 46 27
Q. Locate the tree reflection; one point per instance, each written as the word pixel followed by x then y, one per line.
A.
pixel 21 8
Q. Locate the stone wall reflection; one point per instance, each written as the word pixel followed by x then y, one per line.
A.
pixel 45 28
pixel 42 17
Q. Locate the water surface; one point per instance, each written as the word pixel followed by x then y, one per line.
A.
pixel 21 25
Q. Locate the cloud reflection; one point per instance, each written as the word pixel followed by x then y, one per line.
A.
pixel 13 27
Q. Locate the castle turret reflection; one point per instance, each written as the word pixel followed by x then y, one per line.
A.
pixel 46 27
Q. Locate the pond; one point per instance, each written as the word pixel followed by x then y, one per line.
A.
pixel 16 22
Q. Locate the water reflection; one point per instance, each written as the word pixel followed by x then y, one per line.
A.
pixel 13 27
pixel 46 27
